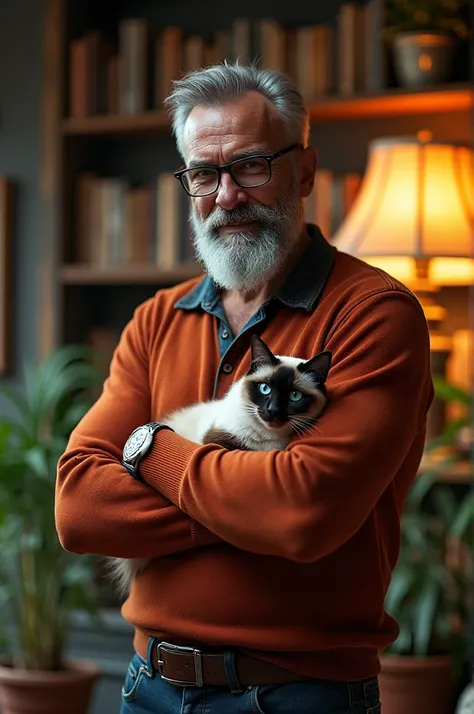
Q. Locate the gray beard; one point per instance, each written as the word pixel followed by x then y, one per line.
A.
pixel 245 260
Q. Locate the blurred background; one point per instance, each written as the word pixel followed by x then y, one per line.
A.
pixel 92 222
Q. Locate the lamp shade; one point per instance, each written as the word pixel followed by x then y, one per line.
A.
pixel 416 202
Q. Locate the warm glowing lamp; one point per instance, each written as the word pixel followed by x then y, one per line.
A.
pixel 414 218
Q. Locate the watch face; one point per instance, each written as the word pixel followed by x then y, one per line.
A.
pixel 135 441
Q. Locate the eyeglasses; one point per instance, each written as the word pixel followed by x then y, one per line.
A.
pixel 249 172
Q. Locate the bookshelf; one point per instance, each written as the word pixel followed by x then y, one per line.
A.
pixel 139 144
pixel 83 274
pixel 396 102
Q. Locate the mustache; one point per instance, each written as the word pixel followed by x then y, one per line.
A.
pixel 241 214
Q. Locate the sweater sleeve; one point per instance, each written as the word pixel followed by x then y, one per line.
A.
pixel 308 500
pixel 99 508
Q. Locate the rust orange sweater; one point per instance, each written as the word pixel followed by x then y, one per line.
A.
pixel 285 554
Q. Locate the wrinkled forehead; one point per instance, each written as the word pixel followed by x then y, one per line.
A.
pixel 243 122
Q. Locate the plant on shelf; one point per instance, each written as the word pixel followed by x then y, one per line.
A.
pixel 422 35
pixel 41 585
pixel 429 590
pixel 445 16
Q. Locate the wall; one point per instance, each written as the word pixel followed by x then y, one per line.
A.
pixel 20 91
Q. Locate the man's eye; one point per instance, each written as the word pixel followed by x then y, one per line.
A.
pixel 251 164
pixel 202 173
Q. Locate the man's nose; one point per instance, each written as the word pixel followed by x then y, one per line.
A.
pixel 229 194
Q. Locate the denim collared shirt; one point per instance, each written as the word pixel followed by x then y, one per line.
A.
pixel 301 290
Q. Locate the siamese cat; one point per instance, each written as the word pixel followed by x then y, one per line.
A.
pixel 278 398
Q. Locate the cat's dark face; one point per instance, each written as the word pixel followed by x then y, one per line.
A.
pixel 287 393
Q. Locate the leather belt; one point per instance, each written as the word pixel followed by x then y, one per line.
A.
pixel 190 667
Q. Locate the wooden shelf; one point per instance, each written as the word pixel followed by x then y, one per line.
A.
pixel 84 274
pixel 394 102
pixel 117 124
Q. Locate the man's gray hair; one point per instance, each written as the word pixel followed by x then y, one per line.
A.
pixel 214 85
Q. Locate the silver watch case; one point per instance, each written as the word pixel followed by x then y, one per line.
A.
pixel 138 443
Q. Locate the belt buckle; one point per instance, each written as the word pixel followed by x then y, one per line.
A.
pixel 176 649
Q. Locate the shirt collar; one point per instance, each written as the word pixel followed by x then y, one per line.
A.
pixel 301 289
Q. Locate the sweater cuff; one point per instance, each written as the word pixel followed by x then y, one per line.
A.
pixel 200 535
pixel 165 463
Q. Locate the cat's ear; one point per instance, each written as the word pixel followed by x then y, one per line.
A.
pixel 261 355
pixel 318 366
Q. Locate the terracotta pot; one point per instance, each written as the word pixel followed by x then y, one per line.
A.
pixel 416 685
pixel 37 692
pixel 423 58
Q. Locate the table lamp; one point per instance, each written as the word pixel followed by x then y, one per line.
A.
pixel 414 218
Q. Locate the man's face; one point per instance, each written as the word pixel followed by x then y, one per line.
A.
pixel 244 235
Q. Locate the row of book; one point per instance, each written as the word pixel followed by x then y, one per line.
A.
pixel 117 223
pixel 331 199
pixel 135 73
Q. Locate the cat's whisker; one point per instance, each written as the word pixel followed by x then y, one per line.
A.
pixel 301 424
pixel 297 427
pixel 296 430
pixel 250 409
pixel 300 419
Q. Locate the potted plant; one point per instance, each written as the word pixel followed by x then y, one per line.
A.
pixel 429 591
pixel 423 35
pixel 41 585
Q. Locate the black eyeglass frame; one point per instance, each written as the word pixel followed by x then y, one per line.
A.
pixel 269 158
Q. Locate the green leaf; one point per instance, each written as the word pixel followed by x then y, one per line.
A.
pixel 37 460
pixel 464 519
pixel 426 617
pixel 449 392
pixel 402 580
pixel 445 505
pixel 77 571
pixel 403 643
pixel 17 400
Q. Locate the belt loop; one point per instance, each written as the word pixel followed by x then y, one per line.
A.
pixel 149 661
pixel 231 672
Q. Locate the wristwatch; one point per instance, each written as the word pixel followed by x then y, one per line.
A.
pixel 137 445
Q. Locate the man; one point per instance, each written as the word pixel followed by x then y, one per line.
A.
pixel 269 569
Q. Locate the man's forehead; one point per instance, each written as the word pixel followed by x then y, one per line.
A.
pixel 247 119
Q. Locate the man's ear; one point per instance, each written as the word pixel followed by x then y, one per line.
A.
pixel 308 166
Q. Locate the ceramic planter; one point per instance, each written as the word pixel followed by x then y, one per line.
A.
pixel 416 685
pixel 38 692
pixel 423 58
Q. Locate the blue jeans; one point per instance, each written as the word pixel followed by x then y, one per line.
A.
pixel 145 693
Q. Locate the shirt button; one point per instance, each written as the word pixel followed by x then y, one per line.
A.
pixel 225 334
pixel 227 368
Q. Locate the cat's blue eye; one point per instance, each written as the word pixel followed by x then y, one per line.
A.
pixel 295 396
pixel 264 388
